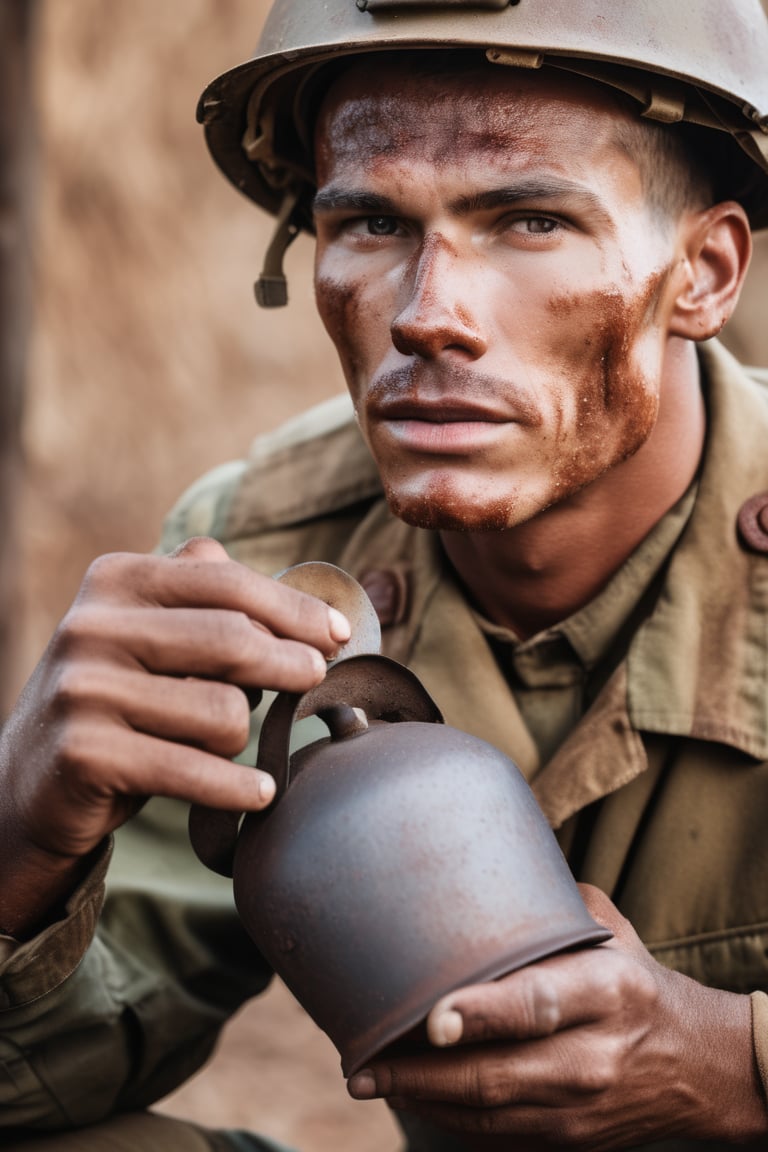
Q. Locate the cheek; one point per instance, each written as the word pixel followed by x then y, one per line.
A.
pixel 614 390
pixel 341 310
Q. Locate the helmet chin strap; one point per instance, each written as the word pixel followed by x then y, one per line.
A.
pixel 271 288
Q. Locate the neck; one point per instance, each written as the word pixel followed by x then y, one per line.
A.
pixel 538 573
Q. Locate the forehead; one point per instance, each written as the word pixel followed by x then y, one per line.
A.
pixel 436 115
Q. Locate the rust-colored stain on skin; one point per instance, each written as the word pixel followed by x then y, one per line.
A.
pixel 612 382
pixel 338 303
pixel 496 288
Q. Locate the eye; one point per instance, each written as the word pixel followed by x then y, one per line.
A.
pixel 382 225
pixel 534 225
pixel 541 224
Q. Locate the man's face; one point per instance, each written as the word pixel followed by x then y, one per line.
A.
pixel 495 284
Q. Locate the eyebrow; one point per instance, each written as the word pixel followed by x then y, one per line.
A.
pixel 340 199
pixel 535 189
pixel 335 199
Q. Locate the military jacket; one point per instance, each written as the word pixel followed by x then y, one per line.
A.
pixel 659 795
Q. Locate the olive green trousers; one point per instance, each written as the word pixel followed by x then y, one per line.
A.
pixel 144 1132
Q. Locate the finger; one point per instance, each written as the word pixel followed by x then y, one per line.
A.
pixel 507 1124
pixel 564 1069
pixel 103 772
pixel 562 992
pixel 196 776
pixel 201 575
pixel 207 713
pixel 489 1077
pixel 222 645
pixel 201 548
pixel 113 760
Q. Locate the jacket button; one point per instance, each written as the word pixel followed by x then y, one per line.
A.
pixel 388 592
pixel 753 522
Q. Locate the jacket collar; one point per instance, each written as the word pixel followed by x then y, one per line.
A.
pixel 697 667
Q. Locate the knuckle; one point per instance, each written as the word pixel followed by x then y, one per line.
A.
pixel 540 1004
pixel 71 688
pixel 598 1072
pixel 72 754
pixel 488 1086
pixel 104 572
pixel 646 988
pixel 200 548
pixel 612 991
pixel 79 685
pixel 75 629
pixel 232 635
pixel 229 715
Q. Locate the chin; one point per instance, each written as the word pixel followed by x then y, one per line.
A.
pixel 449 510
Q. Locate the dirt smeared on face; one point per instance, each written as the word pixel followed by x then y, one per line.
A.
pixel 616 396
pixel 339 305
pixel 444 507
pixel 377 124
pixel 430 295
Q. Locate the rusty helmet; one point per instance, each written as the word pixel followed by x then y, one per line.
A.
pixel 701 62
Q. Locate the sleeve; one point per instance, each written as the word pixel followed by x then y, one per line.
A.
pixel 95 1023
pixel 760 1034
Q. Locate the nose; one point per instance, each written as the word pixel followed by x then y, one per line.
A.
pixel 436 317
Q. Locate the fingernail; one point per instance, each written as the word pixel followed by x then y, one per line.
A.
pixel 339 626
pixel 446 1028
pixel 319 662
pixel 362 1086
pixel 266 789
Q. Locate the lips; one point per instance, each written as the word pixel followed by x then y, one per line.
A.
pixel 445 410
pixel 448 394
pixel 437 427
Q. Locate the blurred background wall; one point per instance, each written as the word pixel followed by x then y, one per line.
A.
pixel 149 363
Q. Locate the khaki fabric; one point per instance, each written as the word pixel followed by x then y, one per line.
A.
pixel 659 795
pixel 144 1132
pixel 125 1134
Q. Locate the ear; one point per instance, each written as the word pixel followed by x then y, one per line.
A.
pixel 717 246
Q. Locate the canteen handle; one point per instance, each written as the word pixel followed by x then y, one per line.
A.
pixel 380 687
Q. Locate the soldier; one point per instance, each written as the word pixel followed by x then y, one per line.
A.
pixel 531 220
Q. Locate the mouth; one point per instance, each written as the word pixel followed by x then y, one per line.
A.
pixel 445 427
pixel 444 409
pixel 441 410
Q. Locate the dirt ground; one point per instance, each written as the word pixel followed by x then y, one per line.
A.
pixel 278 1074
pixel 150 363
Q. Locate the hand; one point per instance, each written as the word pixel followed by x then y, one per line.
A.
pixel 144 690
pixel 597 1049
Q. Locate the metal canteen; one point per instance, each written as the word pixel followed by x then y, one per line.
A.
pixel 401 859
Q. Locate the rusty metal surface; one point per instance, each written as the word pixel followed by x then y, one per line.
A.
pixel 401 863
pixel 400 859
pixel 340 590
pixel 378 686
